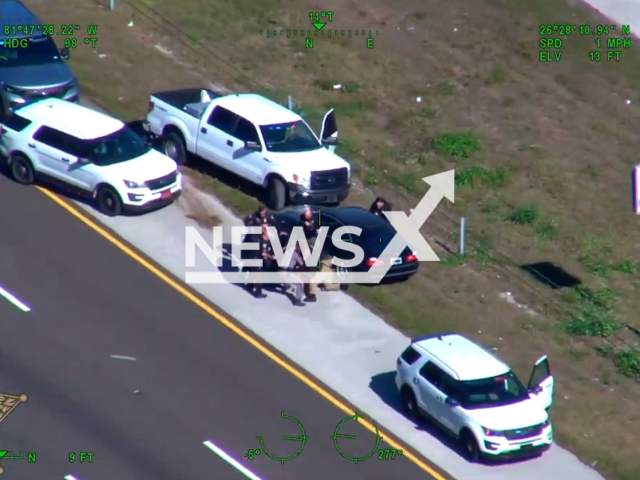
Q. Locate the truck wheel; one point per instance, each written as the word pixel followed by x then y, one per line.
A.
pixel 109 202
pixel 173 147
pixel 22 170
pixel 276 192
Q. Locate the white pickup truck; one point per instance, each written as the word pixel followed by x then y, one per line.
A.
pixel 254 138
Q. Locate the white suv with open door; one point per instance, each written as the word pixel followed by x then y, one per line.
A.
pixel 476 398
pixel 84 151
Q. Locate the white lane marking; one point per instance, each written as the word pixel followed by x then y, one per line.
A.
pixel 13 300
pixel 121 357
pixel 234 463
pixel 71 477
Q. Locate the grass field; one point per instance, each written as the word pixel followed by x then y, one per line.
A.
pixel 542 151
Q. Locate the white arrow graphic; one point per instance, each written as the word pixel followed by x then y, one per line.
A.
pixel 408 228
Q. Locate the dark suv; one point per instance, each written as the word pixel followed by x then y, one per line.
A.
pixel 31 65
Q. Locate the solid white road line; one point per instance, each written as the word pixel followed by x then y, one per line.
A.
pixel 13 300
pixel 234 463
pixel 120 357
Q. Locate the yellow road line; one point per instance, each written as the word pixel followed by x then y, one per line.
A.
pixel 234 328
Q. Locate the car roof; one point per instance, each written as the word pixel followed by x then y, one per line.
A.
pixel 347 215
pixel 352 215
pixel 82 122
pixel 257 109
pixel 16 13
pixel 465 359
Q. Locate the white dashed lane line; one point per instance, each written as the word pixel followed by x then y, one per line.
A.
pixel 13 300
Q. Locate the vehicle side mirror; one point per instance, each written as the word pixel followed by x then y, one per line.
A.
pixel 84 161
pixel 452 402
pixel 330 141
pixel 253 146
pixel 65 53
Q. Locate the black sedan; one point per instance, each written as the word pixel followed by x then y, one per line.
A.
pixel 374 238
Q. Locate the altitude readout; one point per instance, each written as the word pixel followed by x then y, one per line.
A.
pixel 81 457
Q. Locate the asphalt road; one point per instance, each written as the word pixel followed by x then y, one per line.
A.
pixel 197 381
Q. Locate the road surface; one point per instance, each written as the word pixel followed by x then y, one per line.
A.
pixel 188 379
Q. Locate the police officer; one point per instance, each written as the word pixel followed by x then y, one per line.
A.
pixel 310 228
pixel 260 217
pixel 266 254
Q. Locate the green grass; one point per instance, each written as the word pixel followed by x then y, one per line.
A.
pixel 606 268
pixel 628 362
pixel 591 312
pixel 459 146
pixel 546 230
pixel 524 215
pixel 591 323
pixel 481 176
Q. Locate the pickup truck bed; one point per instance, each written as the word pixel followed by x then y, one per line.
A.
pixel 186 99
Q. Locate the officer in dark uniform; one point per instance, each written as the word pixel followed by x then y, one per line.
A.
pixel 310 228
pixel 260 217
pixel 265 252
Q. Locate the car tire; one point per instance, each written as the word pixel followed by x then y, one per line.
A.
pixel 22 170
pixel 470 446
pixel 173 146
pixel 409 403
pixel 109 202
pixel 276 194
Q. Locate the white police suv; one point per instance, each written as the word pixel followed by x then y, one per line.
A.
pixel 87 151
pixel 476 398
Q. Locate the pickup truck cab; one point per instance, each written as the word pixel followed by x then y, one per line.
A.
pixel 254 138
pixel 84 151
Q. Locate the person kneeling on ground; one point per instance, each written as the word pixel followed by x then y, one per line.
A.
pixel 378 206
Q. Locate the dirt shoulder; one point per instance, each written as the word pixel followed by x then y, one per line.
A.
pixel 542 150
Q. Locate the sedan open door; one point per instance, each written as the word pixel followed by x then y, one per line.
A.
pixel 541 383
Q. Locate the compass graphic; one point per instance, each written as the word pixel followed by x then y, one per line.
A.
pixel 9 402
pixel 302 439
pixel 336 435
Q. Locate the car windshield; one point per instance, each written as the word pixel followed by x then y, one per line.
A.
pixel 289 137
pixel 117 147
pixel 491 392
pixel 37 51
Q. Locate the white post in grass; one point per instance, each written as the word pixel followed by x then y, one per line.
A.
pixel 463 225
